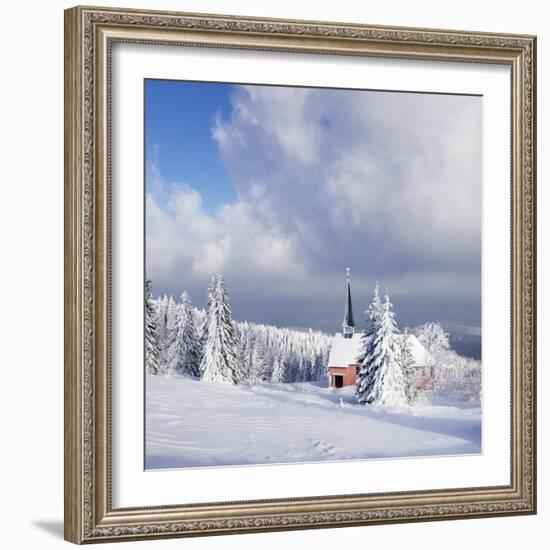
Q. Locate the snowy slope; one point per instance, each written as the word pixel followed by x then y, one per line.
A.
pixel 193 423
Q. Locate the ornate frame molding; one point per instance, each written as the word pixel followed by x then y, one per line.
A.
pixel 89 34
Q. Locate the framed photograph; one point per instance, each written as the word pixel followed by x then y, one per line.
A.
pixel 300 274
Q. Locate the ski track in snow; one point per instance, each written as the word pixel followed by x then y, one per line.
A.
pixel 190 423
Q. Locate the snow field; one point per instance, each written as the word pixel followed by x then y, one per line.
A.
pixel 192 423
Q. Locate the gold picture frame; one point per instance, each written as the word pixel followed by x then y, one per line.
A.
pixel 89 35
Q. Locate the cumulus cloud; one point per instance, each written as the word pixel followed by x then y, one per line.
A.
pixel 186 245
pixel 386 183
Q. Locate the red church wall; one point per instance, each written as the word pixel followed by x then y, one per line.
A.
pixel 348 373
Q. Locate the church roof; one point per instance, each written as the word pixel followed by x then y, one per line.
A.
pixel 421 355
pixel 344 351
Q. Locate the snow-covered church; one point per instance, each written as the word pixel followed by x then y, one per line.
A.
pixel 342 363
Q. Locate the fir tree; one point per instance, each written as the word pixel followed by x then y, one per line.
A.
pixel 318 369
pixel 373 315
pixel 289 365
pixel 165 319
pixel 260 368
pixel 219 361
pixel 434 339
pixel 202 324
pixel 151 339
pixel 406 360
pixel 303 369
pixel 278 375
pixel 246 348
pixel 161 307
pixel 380 378
pixel 183 353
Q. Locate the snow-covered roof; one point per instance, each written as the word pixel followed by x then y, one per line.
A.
pixel 420 354
pixel 344 351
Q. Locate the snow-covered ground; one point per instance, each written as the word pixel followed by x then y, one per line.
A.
pixel 194 423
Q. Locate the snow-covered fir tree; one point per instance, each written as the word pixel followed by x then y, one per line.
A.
pixel 303 368
pixel 381 379
pixel 183 354
pixel 201 320
pixel 278 375
pixel 406 360
pixel 260 367
pixel 151 338
pixel 246 337
pixel 319 367
pixel 373 314
pixel 219 361
pixel 292 366
pixel 434 339
pixel 166 314
pixel 315 368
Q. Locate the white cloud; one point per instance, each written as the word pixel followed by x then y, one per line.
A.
pixel 276 117
pixel 187 245
pixel 403 166
pixel 387 183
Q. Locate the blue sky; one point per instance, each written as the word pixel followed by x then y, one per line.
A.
pixel 282 188
pixel 179 120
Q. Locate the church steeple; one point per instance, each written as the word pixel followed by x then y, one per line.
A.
pixel 348 326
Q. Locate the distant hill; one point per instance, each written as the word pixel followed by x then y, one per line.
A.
pixel 465 338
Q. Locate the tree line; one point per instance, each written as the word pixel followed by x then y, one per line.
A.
pixel 208 344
